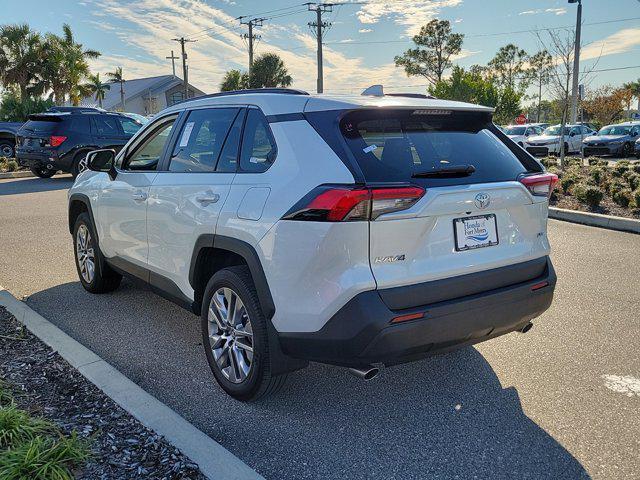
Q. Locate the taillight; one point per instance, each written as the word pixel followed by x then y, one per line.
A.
pixel 56 140
pixel 347 204
pixel 540 185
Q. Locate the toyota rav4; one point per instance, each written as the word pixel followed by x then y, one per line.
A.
pixel 358 231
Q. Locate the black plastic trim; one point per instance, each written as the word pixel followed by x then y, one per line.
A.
pixel 286 117
pixel 81 197
pixel 249 254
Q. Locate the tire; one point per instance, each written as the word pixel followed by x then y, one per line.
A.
pixel 7 148
pixel 627 150
pixel 228 362
pixel 566 149
pixel 102 279
pixel 42 172
pixel 77 166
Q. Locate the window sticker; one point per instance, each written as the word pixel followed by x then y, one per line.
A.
pixel 370 148
pixel 186 133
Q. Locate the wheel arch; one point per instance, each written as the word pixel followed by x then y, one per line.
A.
pixel 214 252
pixel 79 203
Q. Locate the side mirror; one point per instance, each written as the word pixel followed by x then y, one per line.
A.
pixel 572 134
pixel 102 161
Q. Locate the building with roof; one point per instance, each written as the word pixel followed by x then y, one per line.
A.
pixel 145 96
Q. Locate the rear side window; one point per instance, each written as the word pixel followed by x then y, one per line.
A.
pixel 258 145
pixel 399 145
pixel 80 124
pixel 201 140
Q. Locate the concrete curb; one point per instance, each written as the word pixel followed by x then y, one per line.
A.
pixel 596 220
pixel 23 174
pixel 215 461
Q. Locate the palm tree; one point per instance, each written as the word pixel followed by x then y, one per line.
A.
pixel 66 66
pixel 20 54
pixel 117 77
pixel 234 80
pixel 634 87
pixel 95 86
pixel 268 70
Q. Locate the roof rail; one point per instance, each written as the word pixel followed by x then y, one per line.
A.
pixel 410 95
pixel 284 91
pixel 378 91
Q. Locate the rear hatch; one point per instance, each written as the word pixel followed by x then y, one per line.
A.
pixel 475 213
pixel 39 133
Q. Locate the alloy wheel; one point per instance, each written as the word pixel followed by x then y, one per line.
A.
pixel 6 151
pixel 230 335
pixel 85 254
pixel 83 164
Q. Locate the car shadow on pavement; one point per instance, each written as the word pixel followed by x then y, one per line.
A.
pixel 446 416
pixel 33 185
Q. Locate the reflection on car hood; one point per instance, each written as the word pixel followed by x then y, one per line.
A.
pixel 605 138
pixel 543 138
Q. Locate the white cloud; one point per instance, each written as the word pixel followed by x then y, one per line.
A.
pixel 412 13
pixel 457 20
pixel 365 30
pixel 556 11
pixel 619 42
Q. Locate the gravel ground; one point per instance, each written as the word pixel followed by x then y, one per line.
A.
pixel 46 385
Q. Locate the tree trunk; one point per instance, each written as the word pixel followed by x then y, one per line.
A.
pixel 539 100
pixel 100 102
pixel 122 96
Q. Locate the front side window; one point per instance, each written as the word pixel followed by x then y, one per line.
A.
pixel 258 146
pixel 148 153
pixel 201 140
pixel 107 126
pixel 129 125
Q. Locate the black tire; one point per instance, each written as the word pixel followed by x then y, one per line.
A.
pixel 627 151
pixel 75 166
pixel 566 148
pixel 42 172
pixel 259 382
pixel 7 148
pixel 104 279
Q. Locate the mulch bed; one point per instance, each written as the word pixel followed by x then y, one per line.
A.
pixel 46 385
pixel 606 207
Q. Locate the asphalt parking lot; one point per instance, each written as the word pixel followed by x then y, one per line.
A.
pixel 548 404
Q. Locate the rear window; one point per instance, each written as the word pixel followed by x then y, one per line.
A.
pixel 38 126
pixel 399 145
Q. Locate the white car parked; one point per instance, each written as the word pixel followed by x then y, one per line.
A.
pixel 549 141
pixel 357 231
pixel 520 133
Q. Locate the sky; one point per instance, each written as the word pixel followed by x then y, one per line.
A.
pixel 359 46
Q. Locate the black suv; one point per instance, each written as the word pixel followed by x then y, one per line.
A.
pixel 54 141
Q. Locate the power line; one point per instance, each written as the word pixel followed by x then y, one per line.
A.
pixel 485 34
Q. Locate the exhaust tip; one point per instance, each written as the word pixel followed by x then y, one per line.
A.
pixel 526 328
pixel 368 373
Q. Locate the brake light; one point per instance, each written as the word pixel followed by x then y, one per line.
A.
pixel 540 185
pixel 56 140
pixel 347 204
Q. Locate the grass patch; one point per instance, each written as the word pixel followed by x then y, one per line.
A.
pixel 33 448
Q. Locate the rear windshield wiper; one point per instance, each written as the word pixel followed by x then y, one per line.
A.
pixel 452 171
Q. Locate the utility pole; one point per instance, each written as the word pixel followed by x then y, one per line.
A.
pixel 185 70
pixel 173 59
pixel 319 26
pixel 250 37
pixel 576 64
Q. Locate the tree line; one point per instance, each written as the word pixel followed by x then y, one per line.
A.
pixel 38 71
pixel 503 83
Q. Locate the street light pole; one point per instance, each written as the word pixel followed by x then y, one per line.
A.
pixel 576 64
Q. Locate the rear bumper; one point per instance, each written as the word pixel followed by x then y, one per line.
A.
pixel 537 150
pixel 48 160
pixel 361 333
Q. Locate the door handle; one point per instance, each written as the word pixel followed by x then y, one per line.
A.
pixel 139 196
pixel 208 199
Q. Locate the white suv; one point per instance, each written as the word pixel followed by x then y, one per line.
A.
pixel 357 231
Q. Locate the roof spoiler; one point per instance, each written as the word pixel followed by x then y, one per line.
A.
pixel 378 91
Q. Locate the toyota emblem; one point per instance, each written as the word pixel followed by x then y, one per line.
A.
pixel 482 200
